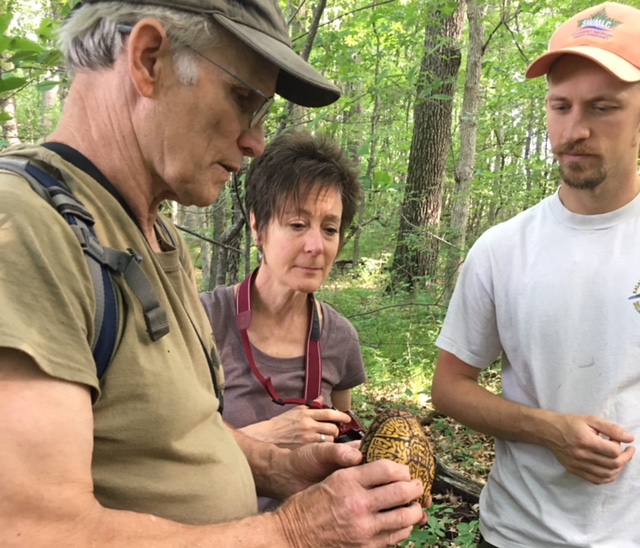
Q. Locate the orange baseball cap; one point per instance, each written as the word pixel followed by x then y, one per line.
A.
pixel 608 34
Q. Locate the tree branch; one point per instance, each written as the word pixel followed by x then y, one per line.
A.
pixel 374 5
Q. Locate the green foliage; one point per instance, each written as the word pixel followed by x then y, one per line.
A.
pixel 397 332
pixel 30 66
pixel 467 533
pixel 442 530
pixel 463 451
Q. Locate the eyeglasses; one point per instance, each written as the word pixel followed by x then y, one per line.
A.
pixel 259 115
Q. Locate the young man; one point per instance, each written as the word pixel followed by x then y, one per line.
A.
pixel 553 293
pixel 166 100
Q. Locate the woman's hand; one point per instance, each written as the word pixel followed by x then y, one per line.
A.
pixel 298 426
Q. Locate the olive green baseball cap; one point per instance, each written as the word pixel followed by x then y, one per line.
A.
pixel 260 24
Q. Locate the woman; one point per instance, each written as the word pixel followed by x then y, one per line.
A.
pixel 302 195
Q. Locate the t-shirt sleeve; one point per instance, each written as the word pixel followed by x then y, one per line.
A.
pixel 220 308
pixel 343 345
pixel 470 330
pixel 48 301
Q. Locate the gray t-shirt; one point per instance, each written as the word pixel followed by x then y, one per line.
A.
pixel 246 401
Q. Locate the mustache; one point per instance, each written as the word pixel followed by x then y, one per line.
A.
pixel 572 148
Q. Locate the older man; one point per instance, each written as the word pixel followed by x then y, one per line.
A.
pixel 554 292
pixel 166 100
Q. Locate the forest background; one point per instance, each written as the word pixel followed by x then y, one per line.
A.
pixel 450 139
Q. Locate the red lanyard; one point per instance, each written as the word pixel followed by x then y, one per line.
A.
pixel 313 359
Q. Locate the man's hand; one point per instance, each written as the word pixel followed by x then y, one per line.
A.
pixel 296 470
pixel 366 506
pixel 591 447
pixel 298 426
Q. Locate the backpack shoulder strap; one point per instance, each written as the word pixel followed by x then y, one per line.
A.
pixel 103 262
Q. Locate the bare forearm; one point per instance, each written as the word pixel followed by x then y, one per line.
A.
pixel 587 446
pixel 456 393
pixel 266 461
pixel 101 527
pixel 477 408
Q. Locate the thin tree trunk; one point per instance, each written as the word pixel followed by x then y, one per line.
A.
pixel 468 136
pixel 295 113
pixel 10 127
pixel 9 107
pixel 416 253
pixel 48 106
pixel 217 217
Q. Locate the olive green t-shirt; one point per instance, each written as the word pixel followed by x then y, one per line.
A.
pixel 160 445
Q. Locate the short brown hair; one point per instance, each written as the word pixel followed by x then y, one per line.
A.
pixel 295 164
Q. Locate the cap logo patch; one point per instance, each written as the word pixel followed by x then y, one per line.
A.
pixel 599 25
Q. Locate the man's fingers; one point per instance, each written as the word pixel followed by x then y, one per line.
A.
pixel 397 524
pixel 339 454
pixel 613 431
pixel 382 472
pixel 603 450
pixel 600 470
pixel 395 495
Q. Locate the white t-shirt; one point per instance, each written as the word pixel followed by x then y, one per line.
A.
pixel 557 296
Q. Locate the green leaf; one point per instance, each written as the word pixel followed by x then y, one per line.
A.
pixel 4 117
pixel 382 178
pixel 50 58
pixel 441 97
pixel 11 82
pixel 5 21
pixel 19 43
pixel 21 56
pixel 364 149
pixel 47 85
pixel 48 28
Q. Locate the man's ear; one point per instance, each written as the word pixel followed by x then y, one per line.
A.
pixel 148 52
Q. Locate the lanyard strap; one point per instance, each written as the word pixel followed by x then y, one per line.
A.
pixel 313 383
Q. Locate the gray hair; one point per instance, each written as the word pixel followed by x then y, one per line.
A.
pixel 90 39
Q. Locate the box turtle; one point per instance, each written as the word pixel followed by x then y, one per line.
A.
pixel 397 434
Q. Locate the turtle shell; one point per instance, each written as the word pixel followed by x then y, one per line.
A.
pixel 397 434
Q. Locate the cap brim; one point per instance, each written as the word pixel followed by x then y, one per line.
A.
pixel 298 81
pixel 615 64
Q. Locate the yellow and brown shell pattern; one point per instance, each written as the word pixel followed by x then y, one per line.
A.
pixel 397 434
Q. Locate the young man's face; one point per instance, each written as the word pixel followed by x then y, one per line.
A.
pixel 594 123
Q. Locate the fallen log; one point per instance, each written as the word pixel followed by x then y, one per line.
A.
pixel 450 482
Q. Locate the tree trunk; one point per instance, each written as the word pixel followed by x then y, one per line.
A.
pixel 371 162
pixel 49 106
pixel 217 217
pixel 416 253
pixel 8 107
pixel 294 114
pixel 352 117
pixel 468 136
pixel 225 267
pixel 10 127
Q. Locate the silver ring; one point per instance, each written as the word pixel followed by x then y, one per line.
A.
pixel 322 438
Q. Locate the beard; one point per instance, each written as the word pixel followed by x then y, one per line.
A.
pixel 578 175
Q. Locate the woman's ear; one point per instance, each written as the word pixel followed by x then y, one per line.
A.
pixel 254 230
pixel 148 51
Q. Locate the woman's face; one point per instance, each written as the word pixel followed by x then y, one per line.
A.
pixel 300 246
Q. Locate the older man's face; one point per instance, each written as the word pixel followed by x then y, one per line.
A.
pixel 204 129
